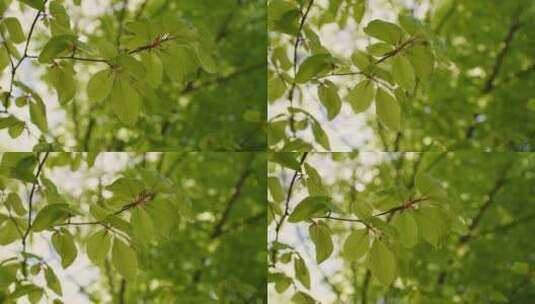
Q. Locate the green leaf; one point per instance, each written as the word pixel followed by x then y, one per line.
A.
pixel 388 110
pixel 313 181
pixel 430 224
pixel 276 88
pixel 6 122
pixel 430 187
pixel 382 263
pixel 55 46
pixel 64 245
pixel 403 72
pixel 320 136
pixel 6 277
pixel 361 96
pixel 361 60
pixel 126 187
pixel 125 102
pixel 384 31
pixel 62 78
pixel 4 58
pixel 312 66
pixel 154 67
pixel 328 95
pixel 280 57
pixel 282 282
pixel 180 62
pixel 105 48
pixel 19 166
pixel 407 229
pixel 520 268
pixel 24 169
pixel 206 60
pixel 13 202
pixel 37 4
pixel 124 260
pixel 14 29
pixel 9 233
pixel 359 8
pixel 142 225
pixel 97 246
pixel 164 216
pixel 410 24
pixel 320 234
pixel 288 22
pixel 301 272
pixel 52 281
pixel 38 115
pixel 252 116
pixel 379 49
pixel 422 60
pixel 302 298
pixel 16 129
pixel 275 188
pixel 310 207
pixel 99 86
pixel 35 295
pixel 286 160
pixel 356 245
pixel 50 215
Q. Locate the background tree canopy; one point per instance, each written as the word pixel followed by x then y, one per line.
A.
pixel 146 75
pixel 132 228
pixel 401 75
pixel 402 227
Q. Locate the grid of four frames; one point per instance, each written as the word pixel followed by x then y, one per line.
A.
pixel 152 154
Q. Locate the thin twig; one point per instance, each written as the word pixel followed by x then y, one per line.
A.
pixel 121 23
pixel 488 85
pixel 141 9
pixel 218 228
pixel 14 67
pixel 286 206
pixel 490 198
pixel 404 206
pixel 296 47
pixel 30 208
pixel 217 231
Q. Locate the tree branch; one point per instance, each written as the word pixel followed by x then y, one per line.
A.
pixel 513 28
pixel 122 292
pixel 483 209
pixel 76 58
pixel 218 228
pixel 156 43
pixel 296 47
pixel 121 23
pixel 222 79
pixel 488 86
pixel 506 227
pixel 398 49
pixel 15 67
pixel 500 182
pixel 365 285
pixel 448 14
pixel 286 206
pixel 30 206
pixel 404 206
pixel 141 9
